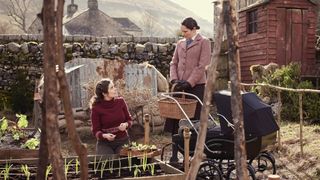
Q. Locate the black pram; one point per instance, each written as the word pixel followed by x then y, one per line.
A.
pixel 260 131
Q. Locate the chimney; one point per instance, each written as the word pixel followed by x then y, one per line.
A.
pixel 71 9
pixel 93 4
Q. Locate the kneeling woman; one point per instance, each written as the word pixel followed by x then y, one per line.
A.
pixel 110 119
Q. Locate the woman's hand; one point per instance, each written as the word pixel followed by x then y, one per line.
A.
pixel 109 136
pixel 123 126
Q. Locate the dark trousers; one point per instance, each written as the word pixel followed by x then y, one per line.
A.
pixel 110 148
pixel 172 125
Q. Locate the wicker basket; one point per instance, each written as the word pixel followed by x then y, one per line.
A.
pixel 169 109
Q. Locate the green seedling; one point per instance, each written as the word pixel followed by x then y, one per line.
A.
pixel 136 171
pixel 103 167
pixel 5 171
pixel 151 166
pixel 66 167
pixel 129 160
pixel 111 166
pixel 144 161
pixel 95 166
pixel 25 170
pixel 48 171
pixel 77 166
pixel 119 174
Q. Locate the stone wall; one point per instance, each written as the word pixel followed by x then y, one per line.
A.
pixel 21 56
pixel 23 53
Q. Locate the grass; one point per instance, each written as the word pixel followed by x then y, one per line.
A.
pixel 290 136
pixel 291 164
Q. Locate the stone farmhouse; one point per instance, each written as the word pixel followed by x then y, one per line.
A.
pixel 91 21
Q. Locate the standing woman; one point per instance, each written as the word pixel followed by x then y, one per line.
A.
pixel 110 119
pixel 188 69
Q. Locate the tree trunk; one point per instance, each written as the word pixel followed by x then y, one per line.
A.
pixel 50 89
pixel 43 150
pixel 198 156
pixel 80 148
pixel 236 99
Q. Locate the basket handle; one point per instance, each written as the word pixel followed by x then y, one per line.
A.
pixel 172 90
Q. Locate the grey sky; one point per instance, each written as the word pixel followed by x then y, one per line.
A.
pixel 202 8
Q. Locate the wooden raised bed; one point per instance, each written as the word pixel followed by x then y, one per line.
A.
pixel 18 153
pixel 112 169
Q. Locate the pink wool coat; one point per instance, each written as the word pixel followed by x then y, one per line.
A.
pixel 189 63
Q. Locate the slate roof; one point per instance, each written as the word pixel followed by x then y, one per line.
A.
pixel 126 24
pixel 91 22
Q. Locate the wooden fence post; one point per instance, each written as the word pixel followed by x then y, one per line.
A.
pixel 240 155
pixel 211 73
pixel 186 135
pixel 146 129
pixel 301 122
pixel 279 117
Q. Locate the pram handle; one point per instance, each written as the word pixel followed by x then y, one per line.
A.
pixel 170 96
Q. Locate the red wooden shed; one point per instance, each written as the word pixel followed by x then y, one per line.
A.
pixel 279 31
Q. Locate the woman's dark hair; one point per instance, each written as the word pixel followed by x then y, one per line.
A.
pixel 101 87
pixel 190 23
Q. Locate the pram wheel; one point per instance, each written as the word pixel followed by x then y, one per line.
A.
pixel 209 171
pixel 264 164
pixel 231 173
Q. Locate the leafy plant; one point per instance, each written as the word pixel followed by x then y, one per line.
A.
pixel 3 126
pixel 31 143
pixel 25 170
pixel 139 147
pixel 22 122
pixel 16 131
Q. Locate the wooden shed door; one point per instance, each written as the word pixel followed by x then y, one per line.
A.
pixel 291 25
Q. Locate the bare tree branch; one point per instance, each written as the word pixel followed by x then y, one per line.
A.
pixel 51 90
pixel 17 10
pixel 236 98
pixel 73 136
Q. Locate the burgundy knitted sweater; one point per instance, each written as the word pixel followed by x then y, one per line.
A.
pixel 106 116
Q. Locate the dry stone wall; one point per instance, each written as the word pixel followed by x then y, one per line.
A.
pixel 23 53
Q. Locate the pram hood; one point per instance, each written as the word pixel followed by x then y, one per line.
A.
pixel 257 116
